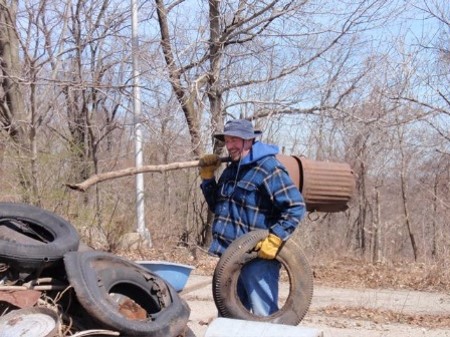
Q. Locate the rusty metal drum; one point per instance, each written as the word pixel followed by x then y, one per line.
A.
pixel 326 186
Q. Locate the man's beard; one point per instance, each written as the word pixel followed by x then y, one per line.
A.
pixel 235 154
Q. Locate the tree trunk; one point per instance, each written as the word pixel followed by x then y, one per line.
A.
pixel 13 115
pixel 403 186
pixel 376 232
pixel 433 221
pixel 12 106
pixel 186 97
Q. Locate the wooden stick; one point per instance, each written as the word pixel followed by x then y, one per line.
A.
pixel 97 178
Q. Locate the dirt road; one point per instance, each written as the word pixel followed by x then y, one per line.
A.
pixel 342 312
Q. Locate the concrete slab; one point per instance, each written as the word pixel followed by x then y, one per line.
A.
pixel 226 327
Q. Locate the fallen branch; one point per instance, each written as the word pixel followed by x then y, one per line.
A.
pixel 97 178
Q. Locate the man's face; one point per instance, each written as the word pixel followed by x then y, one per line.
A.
pixel 237 147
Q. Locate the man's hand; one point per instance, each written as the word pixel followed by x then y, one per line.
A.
pixel 209 163
pixel 268 248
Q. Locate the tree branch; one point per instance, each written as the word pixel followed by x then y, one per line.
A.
pixel 98 178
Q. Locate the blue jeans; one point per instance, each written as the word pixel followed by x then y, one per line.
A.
pixel 257 286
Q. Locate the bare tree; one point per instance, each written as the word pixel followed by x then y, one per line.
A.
pixel 436 104
pixel 65 76
pixel 427 96
pixel 49 49
pixel 243 47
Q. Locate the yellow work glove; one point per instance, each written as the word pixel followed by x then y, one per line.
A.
pixel 209 163
pixel 268 247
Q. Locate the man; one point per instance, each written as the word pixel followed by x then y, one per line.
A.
pixel 253 192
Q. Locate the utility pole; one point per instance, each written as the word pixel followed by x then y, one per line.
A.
pixel 140 201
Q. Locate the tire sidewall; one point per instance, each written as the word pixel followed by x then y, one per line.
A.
pixel 30 256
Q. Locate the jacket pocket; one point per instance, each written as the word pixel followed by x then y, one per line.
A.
pixel 246 193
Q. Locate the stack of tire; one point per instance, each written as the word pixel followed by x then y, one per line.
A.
pixel 36 244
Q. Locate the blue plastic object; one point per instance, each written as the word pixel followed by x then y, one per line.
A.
pixel 176 274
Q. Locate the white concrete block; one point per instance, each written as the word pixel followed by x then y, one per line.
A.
pixel 227 327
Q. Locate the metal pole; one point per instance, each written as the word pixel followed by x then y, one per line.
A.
pixel 140 215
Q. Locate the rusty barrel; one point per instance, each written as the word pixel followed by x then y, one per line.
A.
pixel 326 186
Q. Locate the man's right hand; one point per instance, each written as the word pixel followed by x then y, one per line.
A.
pixel 209 163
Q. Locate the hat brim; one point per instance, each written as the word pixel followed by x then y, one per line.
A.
pixel 238 134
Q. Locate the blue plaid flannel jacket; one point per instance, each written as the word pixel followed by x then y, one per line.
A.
pixel 254 194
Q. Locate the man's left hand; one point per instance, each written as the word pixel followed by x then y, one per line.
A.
pixel 268 248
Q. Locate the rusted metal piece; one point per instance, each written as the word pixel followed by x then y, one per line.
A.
pixel 325 186
pixel 20 298
pixel 131 310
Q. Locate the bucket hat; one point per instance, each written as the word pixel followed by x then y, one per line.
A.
pixel 241 128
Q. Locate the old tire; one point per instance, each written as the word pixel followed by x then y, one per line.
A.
pixel 95 276
pixel 32 238
pixel 240 252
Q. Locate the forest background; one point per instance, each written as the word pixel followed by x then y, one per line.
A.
pixel 362 82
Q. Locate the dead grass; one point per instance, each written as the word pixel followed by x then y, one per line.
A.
pixel 344 272
pixel 350 273
pixel 379 316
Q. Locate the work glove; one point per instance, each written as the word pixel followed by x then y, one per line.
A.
pixel 268 248
pixel 209 163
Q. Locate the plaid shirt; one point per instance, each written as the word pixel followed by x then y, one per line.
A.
pixel 255 195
